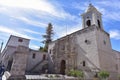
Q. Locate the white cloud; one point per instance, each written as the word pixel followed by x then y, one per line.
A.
pixel 42 5
pixel 16 33
pixel 7 30
pixel 115 34
pixel 65 30
pixel 39 5
pixel 2 9
pixel 113 15
pixel 111 3
pixel 31 22
pixel 31 31
pixel 34 47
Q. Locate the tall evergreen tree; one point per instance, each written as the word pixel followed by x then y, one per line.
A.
pixel 48 36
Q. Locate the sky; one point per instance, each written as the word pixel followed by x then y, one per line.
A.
pixel 29 18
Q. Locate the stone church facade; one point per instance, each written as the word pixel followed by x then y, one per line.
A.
pixel 88 49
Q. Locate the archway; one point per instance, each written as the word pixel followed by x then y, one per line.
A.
pixel 88 23
pixel 9 66
pixel 62 67
pixel 99 24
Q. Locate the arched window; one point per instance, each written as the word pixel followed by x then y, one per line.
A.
pixel 99 24
pixel 62 67
pixel 9 66
pixel 33 56
pixel 88 23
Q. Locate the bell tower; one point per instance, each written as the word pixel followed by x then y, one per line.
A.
pixel 92 17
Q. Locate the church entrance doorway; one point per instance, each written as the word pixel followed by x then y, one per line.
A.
pixel 10 62
pixel 62 67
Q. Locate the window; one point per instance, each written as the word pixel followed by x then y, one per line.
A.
pixel 20 40
pixel 50 51
pixel 98 23
pixel 104 42
pixel 84 63
pixel 33 56
pixel 88 23
pixel 86 41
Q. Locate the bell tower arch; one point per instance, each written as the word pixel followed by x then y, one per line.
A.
pixel 91 17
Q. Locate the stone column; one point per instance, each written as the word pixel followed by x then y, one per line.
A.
pixel 19 63
pixel 94 19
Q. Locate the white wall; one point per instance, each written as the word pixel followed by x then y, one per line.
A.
pixel 117 57
pixel 32 62
pixel 88 52
pixel 13 41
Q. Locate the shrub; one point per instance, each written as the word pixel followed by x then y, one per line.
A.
pixel 46 75
pixel 119 76
pixel 57 75
pixel 76 73
pixel 103 74
pixel 51 76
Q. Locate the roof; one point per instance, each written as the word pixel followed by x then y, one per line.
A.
pixel 91 8
pixel 18 37
pixel 9 40
pixel 80 31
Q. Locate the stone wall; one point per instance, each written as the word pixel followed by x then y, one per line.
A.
pixel 90 45
pixel 19 62
pixel 38 57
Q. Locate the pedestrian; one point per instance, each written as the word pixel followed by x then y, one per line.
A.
pixel 2 70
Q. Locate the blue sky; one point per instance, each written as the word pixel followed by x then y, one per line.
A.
pixel 29 18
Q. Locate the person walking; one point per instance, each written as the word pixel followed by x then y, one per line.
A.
pixel 2 70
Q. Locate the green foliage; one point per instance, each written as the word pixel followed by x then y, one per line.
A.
pixel 103 74
pixel 76 73
pixel 57 75
pixel 51 76
pixel 47 37
pixel 46 75
pixel 119 76
pixel 42 49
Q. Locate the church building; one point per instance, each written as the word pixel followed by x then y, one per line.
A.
pixel 88 49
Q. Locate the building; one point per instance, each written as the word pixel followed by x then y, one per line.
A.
pixel 20 60
pixel 88 49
